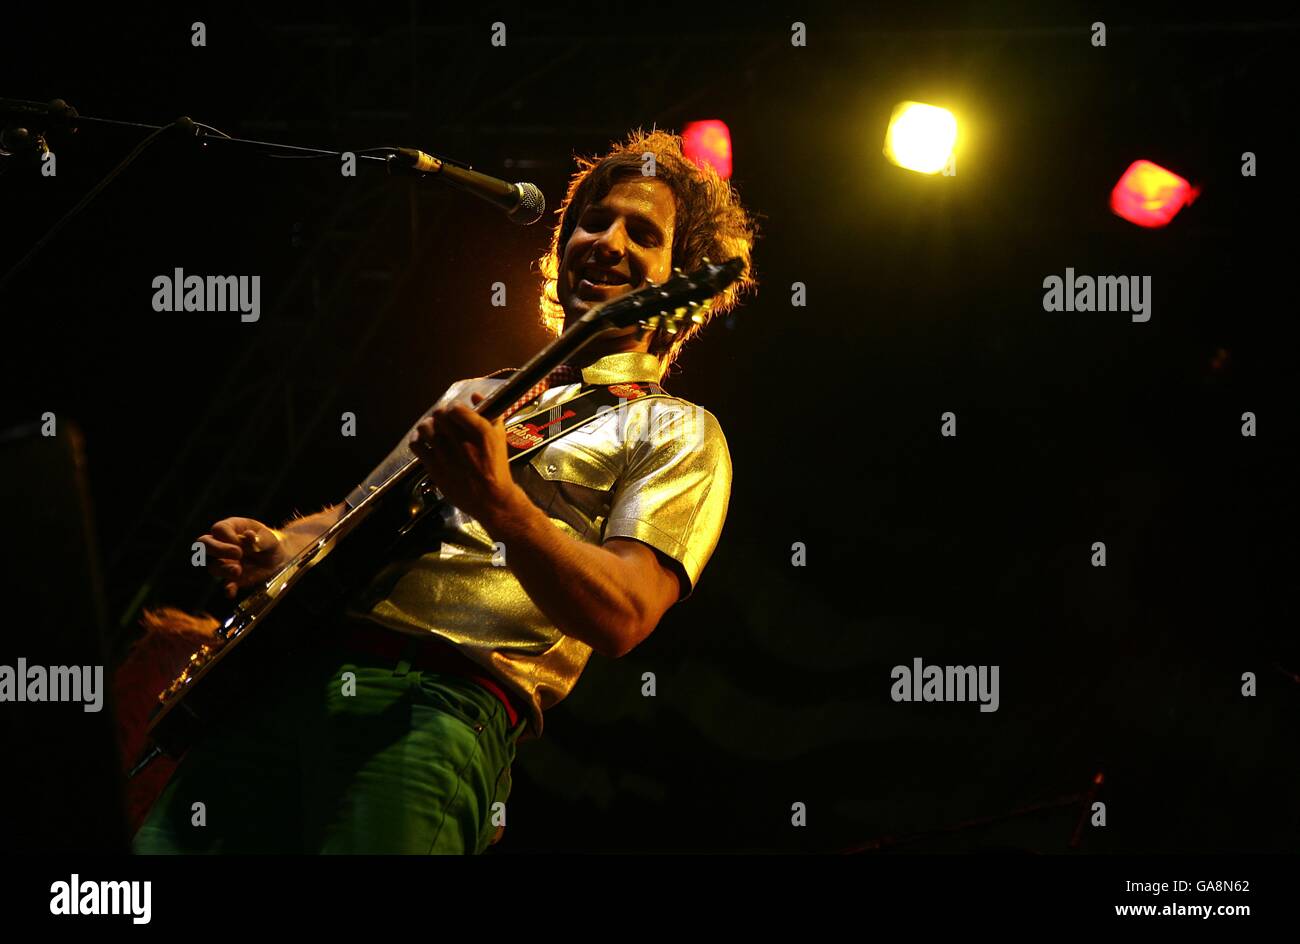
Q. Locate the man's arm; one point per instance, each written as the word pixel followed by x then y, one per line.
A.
pixel 297 533
pixel 610 597
pixel 242 551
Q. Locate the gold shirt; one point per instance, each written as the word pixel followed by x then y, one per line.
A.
pixel 655 469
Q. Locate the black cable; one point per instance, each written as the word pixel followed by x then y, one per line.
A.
pixel 90 195
pixel 331 155
pixel 191 127
pixel 216 131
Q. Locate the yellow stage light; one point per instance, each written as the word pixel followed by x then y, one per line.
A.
pixel 921 137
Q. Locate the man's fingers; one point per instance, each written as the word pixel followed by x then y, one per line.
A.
pixel 467 441
pixel 467 421
pixel 456 422
pixel 226 532
pixel 499 421
pixel 449 437
pixel 220 549
pixel 421 435
pixel 447 452
pixel 254 542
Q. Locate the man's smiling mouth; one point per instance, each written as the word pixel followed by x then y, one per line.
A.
pixel 595 275
pixel 597 284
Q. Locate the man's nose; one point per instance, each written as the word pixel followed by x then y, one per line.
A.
pixel 613 242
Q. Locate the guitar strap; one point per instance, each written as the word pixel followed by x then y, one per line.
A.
pixel 539 429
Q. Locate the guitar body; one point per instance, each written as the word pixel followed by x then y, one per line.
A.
pixel 302 598
pixel 396 519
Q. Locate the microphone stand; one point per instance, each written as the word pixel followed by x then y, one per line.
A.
pixel 27 123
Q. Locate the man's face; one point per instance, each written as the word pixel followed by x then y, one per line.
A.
pixel 621 243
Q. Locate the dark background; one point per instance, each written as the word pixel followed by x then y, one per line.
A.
pixel 924 296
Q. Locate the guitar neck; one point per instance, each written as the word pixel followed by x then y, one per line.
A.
pixel 552 356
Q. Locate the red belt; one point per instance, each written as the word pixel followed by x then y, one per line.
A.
pixel 432 655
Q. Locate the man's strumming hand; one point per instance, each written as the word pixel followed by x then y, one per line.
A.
pixel 242 551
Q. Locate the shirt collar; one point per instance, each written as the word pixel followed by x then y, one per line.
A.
pixel 624 367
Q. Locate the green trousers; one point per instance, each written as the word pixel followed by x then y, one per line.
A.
pixel 344 754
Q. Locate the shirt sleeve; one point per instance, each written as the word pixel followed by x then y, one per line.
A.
pixel 674 494
pixel 401 453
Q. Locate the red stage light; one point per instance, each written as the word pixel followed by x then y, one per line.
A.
pixel 1149 195
pixel 709 142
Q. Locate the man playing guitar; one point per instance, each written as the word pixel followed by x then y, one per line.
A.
pixel 396 731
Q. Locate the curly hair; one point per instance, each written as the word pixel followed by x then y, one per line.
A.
pixel 710 222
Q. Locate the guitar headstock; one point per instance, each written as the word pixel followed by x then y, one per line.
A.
pixel 683 298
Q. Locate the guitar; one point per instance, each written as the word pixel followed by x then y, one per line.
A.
pixel 307 589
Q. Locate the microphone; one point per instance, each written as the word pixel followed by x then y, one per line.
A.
pixel 523 202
